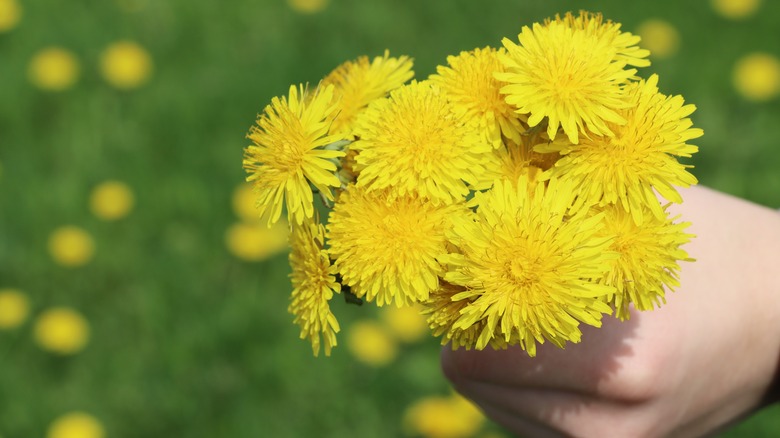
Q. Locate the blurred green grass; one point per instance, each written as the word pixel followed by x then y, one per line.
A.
pixel 186 339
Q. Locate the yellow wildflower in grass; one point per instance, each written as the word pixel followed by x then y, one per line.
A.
pixel 53 69
pixel 71 246
pixel 358 83
pixel 639 158
pixel 385 250
pixel 413 143
pixel 111 200
pixel 314 283
pixel 406 323
pixel 61 330
pixel 570 76
pixel 14 308
pixel 757 77
pixel 288 155
pixel 244 203
pixel 648 262
pixel 254 242
pixel 371 344
pixel 660 37
pixel 470 83
pixel 443 417
pixel 530 266
pixel 735 9
pixel 126 65
pixel 10 14
pixel 307 6
pixel 76 425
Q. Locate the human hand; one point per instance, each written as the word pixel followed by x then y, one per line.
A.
pixel 705 359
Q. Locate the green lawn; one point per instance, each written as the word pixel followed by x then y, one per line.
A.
pixel 187 340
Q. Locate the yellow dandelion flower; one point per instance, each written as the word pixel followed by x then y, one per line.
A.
pixel 358 83
pixel 14 308
pixel 414 143
pixel 443 312
pixel 288 155
pixel 443 417
pixel 529 266
pixel 61 330
pixel 386 250
pixel 623 43
pixel 660 37
pixel 648 258
pixel 76 425
pixel 757 77
pixel 406 323
pixel 53 69
pixel 111 200
pixel 570 77
pixel 735 9
pixel 10 14
pixel 470 83
pixel 254 242
pixel 71 246
pixel 314 283
pixel 126 65
pixel 639 158
pixel 371 344
pixel 307 6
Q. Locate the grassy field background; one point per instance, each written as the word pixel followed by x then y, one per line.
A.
pixel 188 340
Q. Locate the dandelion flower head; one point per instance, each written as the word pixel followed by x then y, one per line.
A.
pixel 314 283
pixel 126 65
pixel 413 143
pixel 639 158
pixel 14 308
pixel 469 81
pixel 357 83
pixel 648 262
pixel 529 266
pixel 385 250
pixel 569 75
pixel 61 330
pixel 371 343
pixel 288 155
pixel 76 425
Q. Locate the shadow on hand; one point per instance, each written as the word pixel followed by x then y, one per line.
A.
pixel 594 368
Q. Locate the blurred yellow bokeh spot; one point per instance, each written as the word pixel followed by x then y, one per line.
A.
pixel 244 205
pixel 757 76
pixel 659 37
pixel 76 425
pixel 14 308
pixel 255 242
pixel 371 343
pixel 71 246
pixel 407 323
pixel 307 6
pixel 61 330
pixel 736 9
pixel 126 65
pixel 443 417
pixel 53 69
pixel 111 200
pixel 10 14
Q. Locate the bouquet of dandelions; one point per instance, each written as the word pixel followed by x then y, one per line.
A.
pixel 514 193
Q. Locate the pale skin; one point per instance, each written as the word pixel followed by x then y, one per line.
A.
pixel 704 360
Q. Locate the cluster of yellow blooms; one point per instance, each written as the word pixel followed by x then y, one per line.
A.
pixel 515 193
